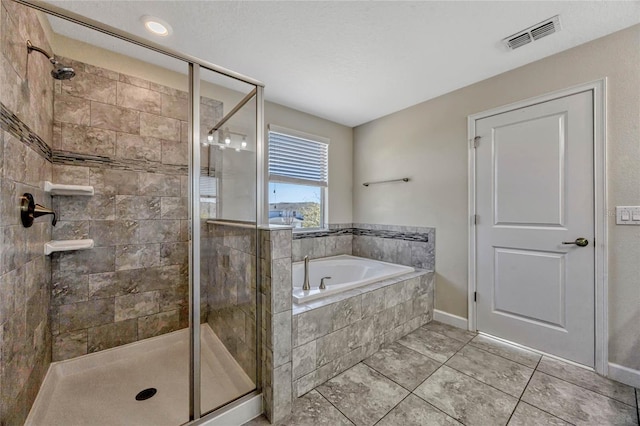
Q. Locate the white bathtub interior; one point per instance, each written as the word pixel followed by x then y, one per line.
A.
pixel 347 272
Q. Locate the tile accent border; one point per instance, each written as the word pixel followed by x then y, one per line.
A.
pixel 322 233
pixel 10 123
pixel 404 245
pixel 366 232
pixel 85 160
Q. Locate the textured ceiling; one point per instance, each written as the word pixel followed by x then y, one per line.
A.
pixel 352 62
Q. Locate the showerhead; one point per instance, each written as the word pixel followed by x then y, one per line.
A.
pixel 60 72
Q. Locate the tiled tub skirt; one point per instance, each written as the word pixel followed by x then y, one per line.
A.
pixel 333 334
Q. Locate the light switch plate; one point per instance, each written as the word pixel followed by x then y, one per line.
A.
pixel 628 215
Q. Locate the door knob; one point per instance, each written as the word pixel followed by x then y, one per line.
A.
pixel 580 242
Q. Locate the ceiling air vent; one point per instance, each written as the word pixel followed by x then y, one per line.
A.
pixel 533 33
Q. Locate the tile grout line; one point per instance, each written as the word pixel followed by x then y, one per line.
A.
pixel 637 405
pixel 520 398
pixel 549 374
pixel 504 357
pixel 478 380
pixel 444 335
pixel 412 350
pixel 441 362
pixel 535 406
pixel 443 412
pixel 523 390
pixel 533 372
pixel 399 402
pixel 545 411
pixel 331 403
pixel 413 393
pixel 455 369
pixel 585 388
pixel 392 408
pixel 394 381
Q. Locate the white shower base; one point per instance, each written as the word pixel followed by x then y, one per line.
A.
pixel 100 388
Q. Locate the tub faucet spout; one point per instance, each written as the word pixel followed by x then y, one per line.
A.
pixel 305 285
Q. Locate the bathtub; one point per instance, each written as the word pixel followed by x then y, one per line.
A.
pixel 346 272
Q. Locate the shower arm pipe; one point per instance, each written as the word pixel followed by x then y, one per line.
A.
pixel 123 35
pixel 386 181
pixel 31 47
pixel 235 109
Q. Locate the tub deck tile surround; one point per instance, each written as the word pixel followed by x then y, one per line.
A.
pixel 346 328
pixel 404 245
pixel 275 270
pixel 371 298
pixel 446 395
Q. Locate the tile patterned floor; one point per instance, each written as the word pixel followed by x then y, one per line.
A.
pixel 441 375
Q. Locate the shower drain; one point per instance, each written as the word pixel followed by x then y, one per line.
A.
pixel 146 394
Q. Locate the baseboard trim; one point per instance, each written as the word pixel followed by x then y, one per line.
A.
pixel 625 375
pixel 447 318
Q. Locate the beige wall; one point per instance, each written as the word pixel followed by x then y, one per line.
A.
pixel 428 142
pixel 340 148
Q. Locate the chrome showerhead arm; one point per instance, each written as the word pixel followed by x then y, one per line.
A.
pixel 31 47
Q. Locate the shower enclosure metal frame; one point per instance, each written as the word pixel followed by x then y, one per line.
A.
pixel 194 66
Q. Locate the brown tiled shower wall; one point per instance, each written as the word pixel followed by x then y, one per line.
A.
pixel 26 90
pixel 228 286
pixel 127 138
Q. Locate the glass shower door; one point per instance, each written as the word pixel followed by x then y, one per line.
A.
pixel 227 208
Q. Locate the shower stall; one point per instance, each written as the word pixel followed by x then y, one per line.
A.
pixel 141 305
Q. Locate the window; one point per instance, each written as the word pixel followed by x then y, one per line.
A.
pixel 208 197
pixel 298 178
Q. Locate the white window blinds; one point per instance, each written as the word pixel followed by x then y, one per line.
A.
pixel 208 186
pixel 296 157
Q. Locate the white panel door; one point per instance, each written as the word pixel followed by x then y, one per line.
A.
pixel 534 195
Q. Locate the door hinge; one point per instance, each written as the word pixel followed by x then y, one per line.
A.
pixel 475 296
pixel 475 219
pixel 475 142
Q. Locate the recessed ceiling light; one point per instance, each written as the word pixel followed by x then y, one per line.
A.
pixel 156 26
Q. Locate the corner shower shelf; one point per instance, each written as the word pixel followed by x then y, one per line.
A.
pixel 67 245
pixel 60 189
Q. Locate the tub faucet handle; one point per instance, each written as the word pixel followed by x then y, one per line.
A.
pixel 322 286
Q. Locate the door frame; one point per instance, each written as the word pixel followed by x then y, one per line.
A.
pixel 598 89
